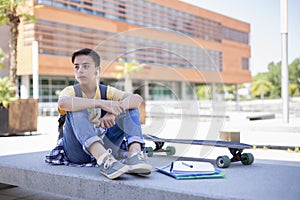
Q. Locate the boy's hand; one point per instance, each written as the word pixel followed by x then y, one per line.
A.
pixel 113 107
pixel 107 121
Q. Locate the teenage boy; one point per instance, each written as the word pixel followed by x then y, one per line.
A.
pixel 88 135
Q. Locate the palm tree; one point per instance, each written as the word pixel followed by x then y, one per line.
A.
pixel 126 69
pixel 12 12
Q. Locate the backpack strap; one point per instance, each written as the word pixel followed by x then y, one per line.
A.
pixel 61 122
pixel 62 118
pixel 77 90
pixel 103 92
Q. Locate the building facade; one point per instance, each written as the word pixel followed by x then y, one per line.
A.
pixel 180 45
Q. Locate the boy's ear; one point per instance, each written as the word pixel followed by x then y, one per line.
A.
pixel 97 71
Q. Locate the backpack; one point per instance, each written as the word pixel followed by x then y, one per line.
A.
pixel 78 93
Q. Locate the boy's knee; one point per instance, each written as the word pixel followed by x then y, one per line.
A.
pixel 80 114
pixel 134 112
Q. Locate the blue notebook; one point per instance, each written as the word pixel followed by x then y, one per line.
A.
pixel 168 170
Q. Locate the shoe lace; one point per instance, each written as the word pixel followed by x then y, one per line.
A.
pixel 109 159
pixel 141 156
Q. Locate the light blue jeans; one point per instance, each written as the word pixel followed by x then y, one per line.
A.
pixel 80 134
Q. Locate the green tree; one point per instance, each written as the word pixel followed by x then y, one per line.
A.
pixel 203 92
pixel 294 77
pixel 294 72
pixel 261 86
pixel 274 77
pixel 293 90
pixel 126 69
pixel 12 12
pixel 7 92
pixel 260 76
pixel 230 88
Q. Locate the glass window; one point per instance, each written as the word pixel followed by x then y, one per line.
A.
pixel 74 5
pixel 147 14
pixel 58 82
pixel 245 63
pixel 87 6
pixel 157 52
pixel 235 35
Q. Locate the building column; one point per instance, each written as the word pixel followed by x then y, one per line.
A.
pixel 207 91
pixel 183 91
pixel 194 86
pixel 237 97
pixel 35 69
pixel 213 91
pixel 25 87
pixel 174 90
pixel 146 90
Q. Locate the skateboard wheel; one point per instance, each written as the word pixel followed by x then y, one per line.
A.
pixel 223 161
pixel 247 158
pixel 170 150
pixel 149 151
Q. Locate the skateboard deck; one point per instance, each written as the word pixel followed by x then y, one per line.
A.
pixel 216 143
pixel 235 149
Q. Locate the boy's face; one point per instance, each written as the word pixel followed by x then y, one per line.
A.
pixel 85 70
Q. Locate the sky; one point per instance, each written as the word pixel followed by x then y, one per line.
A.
pixel 264 19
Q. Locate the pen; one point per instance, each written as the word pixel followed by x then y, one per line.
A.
pixel 191 166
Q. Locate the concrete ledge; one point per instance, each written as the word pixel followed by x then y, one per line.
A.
pixel 179 115
pixel 5 186
pixel 260 117
pixel 258 181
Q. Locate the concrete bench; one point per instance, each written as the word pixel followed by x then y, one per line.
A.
pixel 262 180
pixel 260 117
pixel 179 115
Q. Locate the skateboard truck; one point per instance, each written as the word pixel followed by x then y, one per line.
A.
pixel 237 155
pixel 159 146
pixel 169 150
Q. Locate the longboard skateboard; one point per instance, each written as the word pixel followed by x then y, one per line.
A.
pixel 235 148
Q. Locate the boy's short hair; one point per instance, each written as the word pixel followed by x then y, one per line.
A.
pixel 89 52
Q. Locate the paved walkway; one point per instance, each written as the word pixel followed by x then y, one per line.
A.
pixel 271 131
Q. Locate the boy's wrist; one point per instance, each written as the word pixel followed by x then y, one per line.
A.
pixel 123 105
pixel 97 103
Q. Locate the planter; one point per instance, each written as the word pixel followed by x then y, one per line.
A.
pixel 3 120
pixel 20 117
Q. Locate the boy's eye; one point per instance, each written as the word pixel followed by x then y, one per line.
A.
pixel 86 66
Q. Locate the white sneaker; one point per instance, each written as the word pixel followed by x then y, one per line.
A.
pixel 137 164
pixel 110 167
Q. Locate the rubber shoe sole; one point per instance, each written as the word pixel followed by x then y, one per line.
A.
pixel 118 173
pixel 141 168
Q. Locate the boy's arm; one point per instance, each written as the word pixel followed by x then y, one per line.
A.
pixel 127 100
pixel 69 103
pixel 131 101
pixel 118 103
